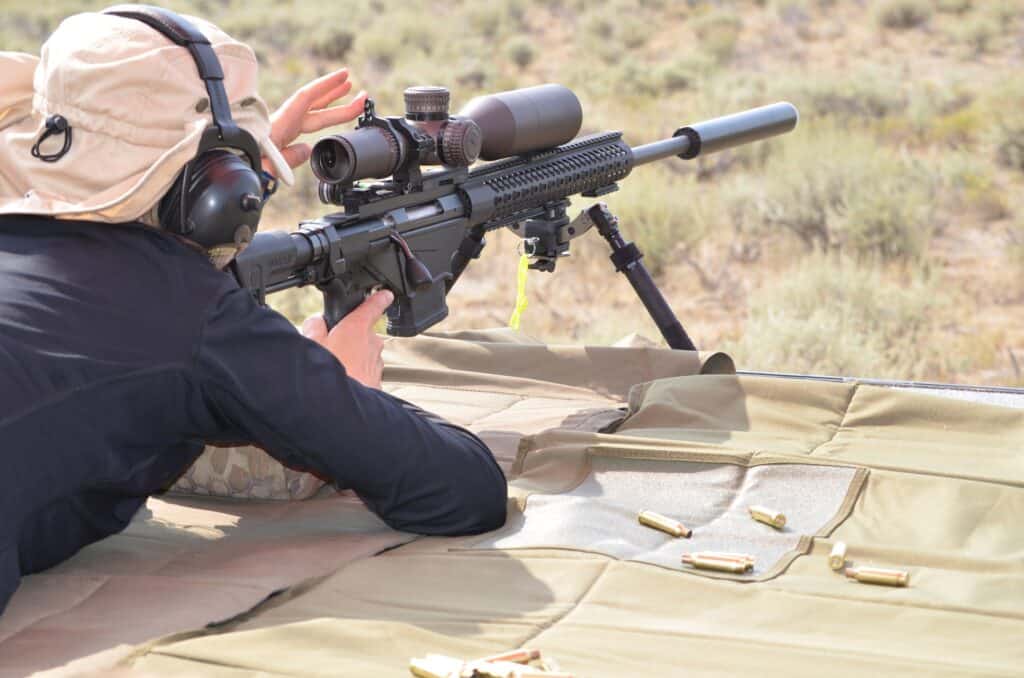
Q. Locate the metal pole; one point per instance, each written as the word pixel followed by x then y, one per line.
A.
pixel 626 257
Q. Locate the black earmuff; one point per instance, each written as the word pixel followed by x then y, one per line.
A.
pixel 217 199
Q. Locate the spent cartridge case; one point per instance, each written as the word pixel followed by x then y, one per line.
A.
pixel 719 565
pixel 768 516
pixel 837 559
pixel 664 523
pixel 747 560
pixel 879 575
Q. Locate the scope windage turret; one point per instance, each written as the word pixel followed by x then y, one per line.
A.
pixel 491 127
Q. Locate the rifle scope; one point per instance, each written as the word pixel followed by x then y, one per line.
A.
pixel 490 127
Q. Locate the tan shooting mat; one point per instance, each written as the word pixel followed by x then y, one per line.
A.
pixel 941 497
pixel 188 561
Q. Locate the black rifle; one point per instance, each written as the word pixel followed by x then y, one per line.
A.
pixel 415 233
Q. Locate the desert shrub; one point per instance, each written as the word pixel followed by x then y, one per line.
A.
pixel 866 92
pixel 633 32
pixel 521 51
pixel 599 25
pixel 977 34
pixel 596 36
pixel 970 184
pixel 486 18
pixel 1004 12
pixel 718 33
pixel 635 77
pixel 831 315
pixel 266 28
pixel 954 6
pixel 902 14
pixel 958 129
pixel 838 190
pixel 474 75
pixel 1015 245
pixel 25 32
pixel 682 73
pixel 1005 106
pixel 938 111
pixel 612 31
pixel 377 48
pixel 793 12
pixel 331 41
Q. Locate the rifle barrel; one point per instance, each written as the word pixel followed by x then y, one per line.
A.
pixel 659 150
pixel 721 133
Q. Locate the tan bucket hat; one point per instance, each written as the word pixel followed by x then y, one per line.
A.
pixel 136 107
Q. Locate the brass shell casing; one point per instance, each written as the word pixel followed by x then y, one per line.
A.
pixel 748 561
pixel 717 564
pixel 879 575
pixel 763 514
pixel 664 523
pixel 837 559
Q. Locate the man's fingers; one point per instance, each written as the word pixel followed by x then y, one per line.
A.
pixel 296 154
pixel 315 327
pixel 365 315
pixel 332 95
pixel 314 121
pixel 372 308
pixel 378 302
pixel 315 89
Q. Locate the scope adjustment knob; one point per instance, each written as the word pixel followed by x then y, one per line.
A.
pixel 461 140
pixel 426 102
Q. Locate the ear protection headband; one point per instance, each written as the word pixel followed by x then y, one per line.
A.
pixel 217 199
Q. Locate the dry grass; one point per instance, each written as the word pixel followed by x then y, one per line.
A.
pixel 830 314
pixel 902 172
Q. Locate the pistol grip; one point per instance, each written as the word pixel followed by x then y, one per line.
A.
pixel 339 300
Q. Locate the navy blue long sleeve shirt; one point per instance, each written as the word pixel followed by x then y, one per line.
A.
pixel 123 351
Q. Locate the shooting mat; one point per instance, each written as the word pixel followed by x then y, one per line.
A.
pixel 186 561
pixel 600 514
pixel 943 487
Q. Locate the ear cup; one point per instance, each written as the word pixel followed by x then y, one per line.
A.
pixel 215 202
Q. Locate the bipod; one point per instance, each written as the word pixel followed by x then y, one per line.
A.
pixel 627 259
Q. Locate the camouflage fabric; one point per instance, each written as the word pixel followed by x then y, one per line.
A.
pixel 245 472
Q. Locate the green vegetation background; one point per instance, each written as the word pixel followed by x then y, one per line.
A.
pixel 885 237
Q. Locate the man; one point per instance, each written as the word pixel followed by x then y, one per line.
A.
pixel 123 348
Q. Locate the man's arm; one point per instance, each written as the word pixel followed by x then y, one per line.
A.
pixel 262 381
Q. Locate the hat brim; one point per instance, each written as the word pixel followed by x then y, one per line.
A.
pixel 121 182
pixel 136 115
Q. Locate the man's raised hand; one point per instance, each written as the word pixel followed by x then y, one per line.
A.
pixel 310 110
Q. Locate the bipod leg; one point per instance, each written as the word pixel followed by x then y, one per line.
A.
pixel 626 257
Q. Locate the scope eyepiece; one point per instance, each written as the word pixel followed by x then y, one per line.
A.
pixel 364 153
